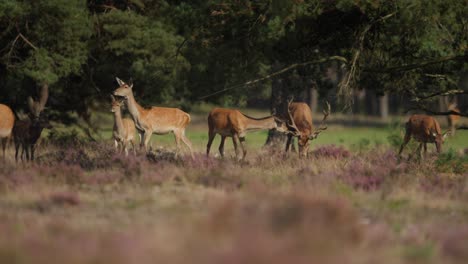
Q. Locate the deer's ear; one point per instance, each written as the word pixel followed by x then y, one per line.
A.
pixel 120 82
pixel 131 86
pixel 444 136
pixel 434 135
pixel 112 98
pixel 30 104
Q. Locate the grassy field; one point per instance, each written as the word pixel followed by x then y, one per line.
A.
pixel 351 201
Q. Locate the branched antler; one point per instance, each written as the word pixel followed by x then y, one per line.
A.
pixel 322 127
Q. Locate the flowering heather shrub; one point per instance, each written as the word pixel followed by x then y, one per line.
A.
pixel 454 243
pixel 64 198
pixel 369 171
pixel 331 151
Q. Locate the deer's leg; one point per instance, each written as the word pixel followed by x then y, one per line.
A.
pixel 17 146
pixel 211 136
pixel 133 147
pixel 405 142
pixel 242 144
pixel 187 142
pixel 221 146
pixel 425 149
pixel 177 137
pixel 288 143
pixel 33 148
pixel 146 139
pixel 4 141
pixel 26 149
pixel 235 139
pixel 116 144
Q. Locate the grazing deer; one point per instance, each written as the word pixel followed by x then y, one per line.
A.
pixel 300 124
pixel 27 132
pixel 453 119
pixel 7 121
pixel 124 128
pixel 233 123
pixel 157 120
pixel 424 129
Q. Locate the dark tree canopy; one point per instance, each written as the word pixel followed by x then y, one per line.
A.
pixel 177 52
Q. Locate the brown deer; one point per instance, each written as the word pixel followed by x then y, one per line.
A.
pixel 124 128
pixel 27 132
pixel 424 129
pixel 157 120
pixel 233 123
pixel 453 119
pixel 300 124
pixel 7 121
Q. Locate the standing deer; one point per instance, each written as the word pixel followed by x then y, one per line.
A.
pixel 424 129
pixel 453 119
pixel 300 122
pixel 124 128
pixel 27 132
pixel 7 121
pixel 233 123
pixel 157 120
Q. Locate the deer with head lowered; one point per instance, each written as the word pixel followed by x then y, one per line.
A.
pixel 157 120
pixel 300 125
pixel 27 132
pixel 124 128
pixel 7 121
pixel 424 129
pixel 233 123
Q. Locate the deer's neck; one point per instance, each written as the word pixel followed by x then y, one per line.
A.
pixel 259 124
pixel 136 110
pixel 118 123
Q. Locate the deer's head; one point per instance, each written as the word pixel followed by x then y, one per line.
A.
pixel 439 139
pixel 115 104
pixel 36 107
pixel 124 89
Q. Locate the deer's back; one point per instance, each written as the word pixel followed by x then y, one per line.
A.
pixel 224 121
pixel 166 117
pixel 302 116
pixel 423 126
pixel 7 120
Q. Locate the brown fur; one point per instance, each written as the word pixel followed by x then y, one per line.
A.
pixel 7 121
pixel 26 133
pixel 453 119
pixel 124 128
pixel 301 116
pixel 232 123
pixel 424 129
pixel 157 120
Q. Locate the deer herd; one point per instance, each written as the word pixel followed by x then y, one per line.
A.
pixel 295 122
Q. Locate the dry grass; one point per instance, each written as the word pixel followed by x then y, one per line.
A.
pixel 87 204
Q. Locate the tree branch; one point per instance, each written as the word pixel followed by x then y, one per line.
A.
pixel 269 76
pixel 443 93
pixel 429 111
pixel 413 66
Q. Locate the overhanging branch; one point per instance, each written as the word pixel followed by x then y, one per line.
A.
pixel 269 76
pixel 402 68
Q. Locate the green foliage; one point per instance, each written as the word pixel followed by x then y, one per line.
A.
pixel 451 162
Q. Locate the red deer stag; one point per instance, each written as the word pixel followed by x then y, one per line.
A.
pixel 424 129
pixel 233 123
pixel 27 132
pixel 7 121
pixel 453 119
pixel 124 128
pixel 157 120
pixel 300 122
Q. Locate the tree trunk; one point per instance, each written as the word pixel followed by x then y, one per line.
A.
pixel 313 97
pixel 383 105
pixel 278 97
